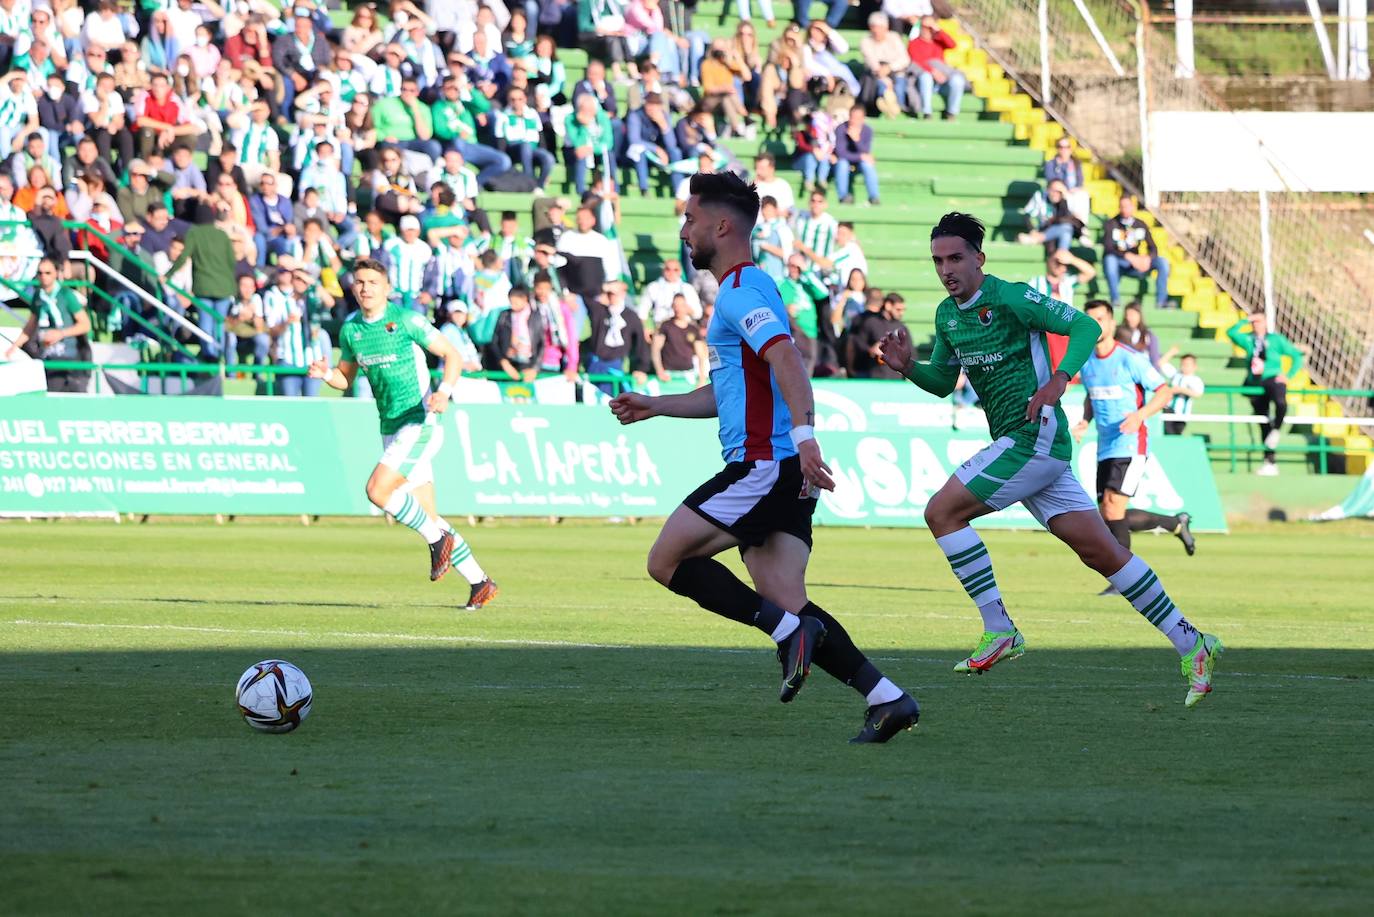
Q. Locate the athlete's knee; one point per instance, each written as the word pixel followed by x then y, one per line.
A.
pixel 939 519
pixel 378 492
pixel 662 564
pixel 1104 555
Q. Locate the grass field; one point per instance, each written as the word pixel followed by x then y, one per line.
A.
pixel 592 744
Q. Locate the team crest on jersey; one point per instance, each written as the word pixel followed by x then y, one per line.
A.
pixel 390 327
pixel 985 317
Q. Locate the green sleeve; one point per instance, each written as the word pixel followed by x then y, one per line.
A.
pixel 423 119
pixel 940 375
pixel 477 103
pixel 1041 313
pixel 439 118
pixel 574 132
pixel 75 306
pixel 1240 338
pixel 1292 350
pixel 420 330
pixel 586 22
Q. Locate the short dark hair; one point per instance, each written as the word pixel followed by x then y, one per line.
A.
pixel 961 225
pixel 765 156
pixel 520 290
pixel 489 259
pixel 894 298
pixel 726 189
pixel 542 277
pixel 845 224
pixel 1098 304
pixel 369 264
pixel 443 195
pixel 507 215
pixel 1187 356
pixel 768 199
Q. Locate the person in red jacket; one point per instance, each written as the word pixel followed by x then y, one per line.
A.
pixel 932 73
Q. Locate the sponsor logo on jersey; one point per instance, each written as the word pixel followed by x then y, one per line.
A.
pixel 981 359
pixel 985 317
pixel 755 319
pixel 1034 296
pixel 376 359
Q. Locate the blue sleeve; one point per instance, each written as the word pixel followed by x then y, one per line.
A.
pixel 1144 374
pixel 753 318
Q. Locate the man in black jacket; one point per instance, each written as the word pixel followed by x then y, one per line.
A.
pixel 617 340
pixel 59 112
pixel 1122 240
pixel 517 342
pixel 299 56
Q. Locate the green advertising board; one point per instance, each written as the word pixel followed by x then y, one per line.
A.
pixel 81 455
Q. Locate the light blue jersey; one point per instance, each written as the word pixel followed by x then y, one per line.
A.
pixel 755 424
pixel 1118 385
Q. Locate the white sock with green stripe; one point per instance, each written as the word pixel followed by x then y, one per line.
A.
pixel 1138 583
pixel 405 509
pixel 969 560
pixel 462 559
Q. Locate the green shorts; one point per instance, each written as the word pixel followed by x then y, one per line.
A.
pixel 1008 471
pixel 410 450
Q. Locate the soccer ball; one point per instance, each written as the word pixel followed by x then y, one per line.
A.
pixel 273 696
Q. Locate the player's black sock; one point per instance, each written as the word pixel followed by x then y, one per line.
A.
pixel 1121 531
pixel 711 585
pixel 1141 521
pixel 838 655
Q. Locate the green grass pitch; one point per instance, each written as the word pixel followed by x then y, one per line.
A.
pixel 592 744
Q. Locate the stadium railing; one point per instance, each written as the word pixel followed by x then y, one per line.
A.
pixel 1320 448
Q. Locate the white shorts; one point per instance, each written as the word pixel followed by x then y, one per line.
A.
pixel 410 450
pixel 1006 472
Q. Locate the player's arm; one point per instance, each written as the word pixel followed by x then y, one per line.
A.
pixel 439 345
pixel 1044 314
pixel 1082 426
pixel 789 371
pixel 939 376
pixel 340 376
pixel 1147 377
pixel 632 407
pixel 656 355
pixel 1242 340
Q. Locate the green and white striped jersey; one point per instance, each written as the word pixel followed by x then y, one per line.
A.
pixel 522 128
pixel 817 233
pixel 255 142
pixel 409 260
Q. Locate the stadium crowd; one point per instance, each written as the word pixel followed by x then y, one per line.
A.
pixel 243 156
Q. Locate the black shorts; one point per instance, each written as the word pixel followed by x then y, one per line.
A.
pixel 752 500
pixel 1120 474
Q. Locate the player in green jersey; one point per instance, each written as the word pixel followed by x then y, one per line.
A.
pixel 384 341
pixel 995 331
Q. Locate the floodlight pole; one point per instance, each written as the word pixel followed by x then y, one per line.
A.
pixel 1266 257
pixel 1186 67
pixel 1043 14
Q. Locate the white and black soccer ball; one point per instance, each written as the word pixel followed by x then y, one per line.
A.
pixel 273 696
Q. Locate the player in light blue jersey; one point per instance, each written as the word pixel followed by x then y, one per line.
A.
pixel 762 502
pixel 1122 391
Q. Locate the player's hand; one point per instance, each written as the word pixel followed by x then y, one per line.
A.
pixel 814 469
pixel 894 350
pixel 1048 395
pixel 1132 422
pixel 1079 429
pixel 436 402
pixel 320 369
pixel 632 407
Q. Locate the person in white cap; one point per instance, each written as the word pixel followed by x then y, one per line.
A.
pixel 411 271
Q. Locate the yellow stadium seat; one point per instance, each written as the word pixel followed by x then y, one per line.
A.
pixel 1180 285
pixel 1358 462
pixel 1199 300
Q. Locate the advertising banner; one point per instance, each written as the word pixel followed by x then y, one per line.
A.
pixel 285 456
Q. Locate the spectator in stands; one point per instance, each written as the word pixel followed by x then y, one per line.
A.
pixel 588 136
pixel 1187 385
pixel 103 121
pixel 519 127
pixel 455 122
pixel 256 140
pixel 845 257
pixel 89 201
pixel 834 15
pixel 927 53
pixel 1123 237
pixel 87 159
pixel 284 315
pixel 161 117
pixel 211 255
pixel 56 330
pixel 907 14
pixel 1064 271
pixel 722 77
pixel 821 57
pixel 1264 352
pixel 815 235
pixel 517 344
pixel 772 240
pixel 404 121
pixel 854 153
pixel 60 115
pixel 814 140
pixel 18 112
pixel 1060 226
pixel 593 260
pixel 616 344
pixel 656 302
pixel 411 267
pixel 39 195
pixel 651 142
pixel 745 56
pixel 556 223
pixel 562 327
pixel 868 330
pixel 783 82
pixel 245 331
pixel 768 183
pixel 742 6
pixel 451 318
pixel 160 228
pixel 273 220
pixel 35 153
pixel 806 299
pixel 298 55
pixel 188 182
pixel 679 346
pixel 1134 333
pixel 850 303
pixel 595 84
pixel 601 30
pixel 1063 166
pixel 885 81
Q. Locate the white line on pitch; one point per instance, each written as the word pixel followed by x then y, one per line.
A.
pixel 568 644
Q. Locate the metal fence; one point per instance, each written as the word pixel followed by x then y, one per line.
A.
pixel 1101 66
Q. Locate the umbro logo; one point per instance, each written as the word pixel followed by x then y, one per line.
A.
pixel 952 324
